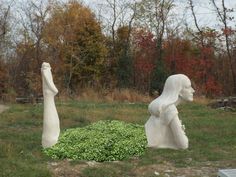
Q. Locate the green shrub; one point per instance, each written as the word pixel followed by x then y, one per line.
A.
pixel 102 141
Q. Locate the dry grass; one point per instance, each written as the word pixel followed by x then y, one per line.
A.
pixel 128 95
pixel 121 95
pixel 118 95
pixel 202 100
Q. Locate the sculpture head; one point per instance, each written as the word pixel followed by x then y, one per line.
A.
pixel 45 66
pixel 187 91
pixel 178 87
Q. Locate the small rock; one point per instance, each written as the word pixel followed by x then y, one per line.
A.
pixel 116 161
pixel 169 171
pixel 53 163
pixel 156 173
pixel 91 163
pixel 189 160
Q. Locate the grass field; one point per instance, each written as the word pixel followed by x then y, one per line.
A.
pixel 211 133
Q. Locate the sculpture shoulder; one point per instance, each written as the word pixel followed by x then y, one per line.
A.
pixel 153 108
pixel 169 114
pixel 172 109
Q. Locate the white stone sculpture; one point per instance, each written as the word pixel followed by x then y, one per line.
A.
pixel 164 128
pixel 51 123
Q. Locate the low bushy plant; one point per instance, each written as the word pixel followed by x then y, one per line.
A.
pixel 101 141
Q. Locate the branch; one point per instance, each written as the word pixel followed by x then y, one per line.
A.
pixel 196 23
pixel 3 26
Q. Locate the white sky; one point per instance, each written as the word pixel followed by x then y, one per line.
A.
pixel 204 10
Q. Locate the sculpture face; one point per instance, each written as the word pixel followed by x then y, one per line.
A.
pixel 187 92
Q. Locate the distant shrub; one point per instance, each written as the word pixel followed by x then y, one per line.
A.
pixel 102 141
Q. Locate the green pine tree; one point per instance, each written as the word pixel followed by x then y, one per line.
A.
pixel 159 76
pixel 124 70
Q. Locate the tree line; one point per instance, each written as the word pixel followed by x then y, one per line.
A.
pixel 125 44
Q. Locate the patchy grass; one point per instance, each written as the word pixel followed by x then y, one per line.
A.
pixel 20 136
pixel 211 133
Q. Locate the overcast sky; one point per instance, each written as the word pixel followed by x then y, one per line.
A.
pixel 204 10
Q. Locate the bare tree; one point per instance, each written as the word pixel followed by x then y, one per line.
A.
pixel 36 15
pixel 154 15
pixel 115 16
pixel 130 20
pixel 117 13
pixel 3 20
pixel 224 18
pixel 5 31
pixel 200 38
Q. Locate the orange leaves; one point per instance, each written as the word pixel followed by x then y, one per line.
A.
pixel 145 53
pixel 207 50
pixel 228 31
pixel 196 62
pixel 75 36
pixel 144 66
pixel 213 87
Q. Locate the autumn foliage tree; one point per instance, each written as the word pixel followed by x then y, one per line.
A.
pixel 4 41
pixel 25 73
pixel 144 58
pixel 134 44
pixel 76 45
pixel 153 15
pixel 228 33
pixel 24 67
pixel 184 56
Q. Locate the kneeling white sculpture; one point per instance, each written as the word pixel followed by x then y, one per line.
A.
pixel 51 123
pixel 164 128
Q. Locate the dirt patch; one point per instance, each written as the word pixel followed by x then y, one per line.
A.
pixel 64 168
pixel 166 169
pixel 169 170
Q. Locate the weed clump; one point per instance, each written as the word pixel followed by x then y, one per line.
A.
pixel 101 141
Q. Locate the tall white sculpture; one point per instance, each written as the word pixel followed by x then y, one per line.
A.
pixel 164 128
pixel 51 123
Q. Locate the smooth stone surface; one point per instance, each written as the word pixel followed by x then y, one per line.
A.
pixel 51 123
pixel 227 173
pixel 164 129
